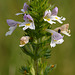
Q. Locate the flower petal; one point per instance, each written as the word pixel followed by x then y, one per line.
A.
pixel 23 10
pixel 21 25
pixel 55 11
pixel 47 13
pixel 26 27
pixel 32 26
pixel 52 44
pixel 11 29
pixel 18 14
pixel 21 45
pixel 49 21
pixel 63 19
pixel 59 41
pixel 55 35
pixel 64 32
pixel 12 23
pixel 60 21
pixel 25 7
pixel 27 17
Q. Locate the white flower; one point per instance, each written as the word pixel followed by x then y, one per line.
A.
pixel 47 18
pixel 53 43
pixel 24 40
pixel 56 38
pixel 63 29
pixel 29 23
pixel 50 17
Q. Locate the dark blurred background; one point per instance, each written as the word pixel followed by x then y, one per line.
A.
pixel 11 56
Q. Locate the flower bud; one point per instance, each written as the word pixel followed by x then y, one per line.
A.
pixel 24 40
pixel 52 66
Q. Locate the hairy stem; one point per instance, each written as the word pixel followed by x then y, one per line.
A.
pixel 36 59
pixel 36 66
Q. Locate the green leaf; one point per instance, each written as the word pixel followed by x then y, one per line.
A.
pixel 49 69
pixel 28 49
pixel 44 53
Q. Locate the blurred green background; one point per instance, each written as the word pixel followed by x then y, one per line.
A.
pixel 11 56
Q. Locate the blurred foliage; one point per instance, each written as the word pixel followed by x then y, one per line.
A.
pixel 12 58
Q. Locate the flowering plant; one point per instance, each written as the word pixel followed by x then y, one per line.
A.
pixel 39 17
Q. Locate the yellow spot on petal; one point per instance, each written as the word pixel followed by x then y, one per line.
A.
pixel 55 40
pixel 56 17
pixel 48 19
pixel 28 24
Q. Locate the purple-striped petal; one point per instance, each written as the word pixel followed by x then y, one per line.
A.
pixel 55 35
pixel 25 7
pixel 55 11
pixel 47 13
pixel 28 17
pixel 12 23
pixel 25 17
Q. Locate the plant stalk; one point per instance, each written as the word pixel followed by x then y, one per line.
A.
pixel 36 66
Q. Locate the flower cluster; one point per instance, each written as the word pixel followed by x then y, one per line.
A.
pixel 49 16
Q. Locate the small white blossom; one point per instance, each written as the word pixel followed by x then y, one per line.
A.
pixel 47 18
pixel 56 38
pixel 50 17
pixel 29 23
pixel 24 40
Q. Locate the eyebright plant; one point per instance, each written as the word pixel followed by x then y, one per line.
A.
pixel 39 37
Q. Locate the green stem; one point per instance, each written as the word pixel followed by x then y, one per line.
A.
pixel 36 66
pixel 36 59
